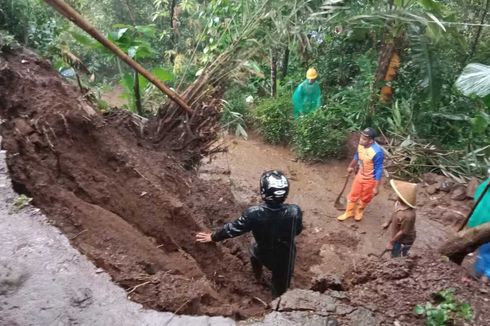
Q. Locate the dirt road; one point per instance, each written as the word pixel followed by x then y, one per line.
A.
pixel 326 245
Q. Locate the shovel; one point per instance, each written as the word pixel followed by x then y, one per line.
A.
pixel 340 202
pixel 381 254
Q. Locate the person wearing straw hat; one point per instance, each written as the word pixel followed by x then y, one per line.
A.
pixel 369 159
pixel 307 97
pixel 403 218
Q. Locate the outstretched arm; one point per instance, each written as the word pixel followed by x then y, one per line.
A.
pixel 229 230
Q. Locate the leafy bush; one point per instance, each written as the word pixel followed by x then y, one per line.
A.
pixel 7 41
pixel 233 120
pixel 320 135
pixel 446 312
pixel 274 119
pixel 235 97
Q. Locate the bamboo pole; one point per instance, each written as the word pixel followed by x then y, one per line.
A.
pixel 70 13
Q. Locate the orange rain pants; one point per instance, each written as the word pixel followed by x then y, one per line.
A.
pixel 362 189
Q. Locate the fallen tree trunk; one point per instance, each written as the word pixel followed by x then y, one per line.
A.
pixel 465 242
pixel 70 13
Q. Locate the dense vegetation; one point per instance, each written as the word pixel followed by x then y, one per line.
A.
pixel 417 70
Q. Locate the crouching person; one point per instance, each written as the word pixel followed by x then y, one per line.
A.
pixel 274 226
pixel 403 219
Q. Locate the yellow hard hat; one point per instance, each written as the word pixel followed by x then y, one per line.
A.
pixel 311 73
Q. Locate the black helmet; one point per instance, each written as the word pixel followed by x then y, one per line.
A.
pixel 369 132
pixel 274 186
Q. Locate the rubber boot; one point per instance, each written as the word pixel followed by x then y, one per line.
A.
pixel 349 211
pixel 360 211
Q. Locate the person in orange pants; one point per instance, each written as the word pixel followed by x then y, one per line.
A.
pixel 369 157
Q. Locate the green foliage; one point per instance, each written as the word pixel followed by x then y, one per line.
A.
pixel 32 24
pixel 274 119
pixel 136 42
pixel 337 58
pixel 21 202
pixel 233 121
pixel 145 87
pixel 401 120
pixel 355 97
pixel 238 104
pixel 7 41
pixel 341 39
pixel 446 312
pixel 320 135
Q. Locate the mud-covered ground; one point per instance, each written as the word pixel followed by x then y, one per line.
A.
pixel 133 209
pixel 130 208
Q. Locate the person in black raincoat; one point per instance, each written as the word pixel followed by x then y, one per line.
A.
pixel 274 226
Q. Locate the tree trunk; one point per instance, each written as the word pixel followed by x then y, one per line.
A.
pixel 173 25
pixel 383 64
pixel 137 95
pixel 465 242
pixel 173 3
pixel 75 17
pixel 387 89
pixel 285 62
pixel 478 31
pixel 273 73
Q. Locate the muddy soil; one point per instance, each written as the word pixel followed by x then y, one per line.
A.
pixel 134 209
pixel 393 287
pixel 341 249
pixel 131 209
pixel 315 186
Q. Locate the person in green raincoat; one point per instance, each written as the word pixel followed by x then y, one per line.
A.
pixel 481 215
pixel 307 97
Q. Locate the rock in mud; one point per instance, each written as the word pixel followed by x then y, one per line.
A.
pixel 327 282
pixel 362 317
pixel 458 193
pixel 295 318
pixel 446 185
pixel 432 189
pixel 305 300
pixel 430 178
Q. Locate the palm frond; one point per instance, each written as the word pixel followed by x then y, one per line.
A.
pixel 474 80
pixel 424 58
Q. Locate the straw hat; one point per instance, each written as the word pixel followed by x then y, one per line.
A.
pixel 406 191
